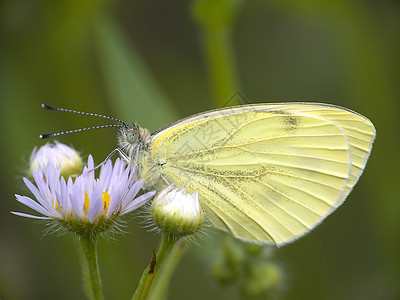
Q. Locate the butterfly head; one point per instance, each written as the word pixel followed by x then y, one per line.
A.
pixel 133 138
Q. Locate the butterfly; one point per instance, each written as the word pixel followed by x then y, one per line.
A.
pixel 266 173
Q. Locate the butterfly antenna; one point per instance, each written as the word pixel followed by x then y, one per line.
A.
pixel 49 107
pixel 51 135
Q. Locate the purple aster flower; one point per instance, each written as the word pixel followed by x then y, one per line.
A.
pixel 84 205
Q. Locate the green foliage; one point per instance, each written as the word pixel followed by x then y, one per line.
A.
pixel 215 15
pixel 249 267
pixel 128 82
pixel 216 19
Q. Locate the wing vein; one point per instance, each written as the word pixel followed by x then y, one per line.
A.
pixel 264 210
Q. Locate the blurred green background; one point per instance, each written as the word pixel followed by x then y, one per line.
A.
pixel 157 61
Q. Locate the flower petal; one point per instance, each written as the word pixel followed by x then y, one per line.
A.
pixel 77 197
pixel 132 192
pixel 29 216
pixel 138 202
pixel 33 205
pixel 95 204
pixel 39 197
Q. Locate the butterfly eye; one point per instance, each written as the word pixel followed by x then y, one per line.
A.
pixel 132 136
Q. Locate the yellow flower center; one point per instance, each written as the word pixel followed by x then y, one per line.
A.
pixel 106 200
pixel 86 203
pixel 57 206
pixel 105 196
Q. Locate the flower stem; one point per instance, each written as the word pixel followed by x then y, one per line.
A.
pixel 155 270
pixel 220 57
pixel 90 268
pixel 216 20
pixel 163 277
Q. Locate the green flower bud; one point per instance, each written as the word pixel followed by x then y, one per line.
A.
pixel 263 279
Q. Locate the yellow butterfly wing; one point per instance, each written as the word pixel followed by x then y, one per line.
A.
pixel 266 173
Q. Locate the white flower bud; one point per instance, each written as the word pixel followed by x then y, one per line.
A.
pixel 58 155
pixel 177 212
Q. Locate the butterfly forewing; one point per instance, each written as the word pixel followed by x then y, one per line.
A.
pixel 266 173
